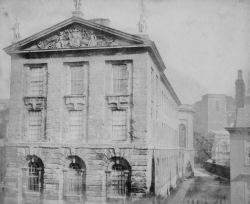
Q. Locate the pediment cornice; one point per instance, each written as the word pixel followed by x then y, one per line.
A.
pixel 75 32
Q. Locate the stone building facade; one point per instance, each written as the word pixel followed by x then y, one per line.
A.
pixel 4 120
pixel 93 118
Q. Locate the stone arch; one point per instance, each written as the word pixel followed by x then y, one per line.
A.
pixel 120 160
pixel 75 159
pixel 182 135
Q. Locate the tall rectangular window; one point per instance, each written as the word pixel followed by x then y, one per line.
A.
pixel 119 124
pixel 77 77
pixel 35 123
pixel 120 78
pixel 75 125
pixel 36 81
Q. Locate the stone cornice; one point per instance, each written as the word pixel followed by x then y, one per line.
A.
pixel 78 145
pixel 233 130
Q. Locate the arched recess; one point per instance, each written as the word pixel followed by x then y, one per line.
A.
pixel 118 177
pixel 34 172
pixel 74 177
pixel 182 135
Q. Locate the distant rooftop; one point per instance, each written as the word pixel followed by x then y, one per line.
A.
pixel 214 96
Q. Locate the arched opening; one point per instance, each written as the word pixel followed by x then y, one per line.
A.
pixel 75 177
pixel 118 177
pixel 35 173
pixel 182 135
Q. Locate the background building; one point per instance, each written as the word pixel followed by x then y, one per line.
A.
pixel 212 114
pixel 92 116
pixel 240 147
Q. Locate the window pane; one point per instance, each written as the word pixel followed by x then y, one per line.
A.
pixel 77 76
pixel 33 177
pixel 35 122
pixel 120 79
pixel 75 124
pixel 36 82
pixel 119 124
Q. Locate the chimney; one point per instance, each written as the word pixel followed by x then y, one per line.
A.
pixel 101 21
pixel 240 91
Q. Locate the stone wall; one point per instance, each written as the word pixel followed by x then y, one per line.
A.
pixel 151 151
pixel 167 171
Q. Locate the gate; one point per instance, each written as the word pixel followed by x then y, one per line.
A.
pixel 76 181
pixel 118 182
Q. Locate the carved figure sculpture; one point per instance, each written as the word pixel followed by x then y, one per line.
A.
pixel 76 36
pixel 62 41
pixel 16 32
pixel 142 24
pixel 77 4
pixel 93 40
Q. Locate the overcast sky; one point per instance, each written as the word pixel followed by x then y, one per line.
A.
pixel 202 42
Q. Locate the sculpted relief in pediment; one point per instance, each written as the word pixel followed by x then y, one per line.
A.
pixel 73 37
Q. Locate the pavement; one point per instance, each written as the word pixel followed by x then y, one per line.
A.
pixel 186 185
pixel 201 173
pixel 182 192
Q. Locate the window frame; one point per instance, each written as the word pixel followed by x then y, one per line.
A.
pixel 40 124
pixel 121 138
pixel 28 74
pixel 79 81
pixel 120 80
pixel 79 124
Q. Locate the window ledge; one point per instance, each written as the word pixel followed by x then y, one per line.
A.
pixel 116 196
pixel 118 94
pixel 75 96
pixel 36 193
pixel 33 140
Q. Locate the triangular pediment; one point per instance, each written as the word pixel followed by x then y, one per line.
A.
pixel 76 33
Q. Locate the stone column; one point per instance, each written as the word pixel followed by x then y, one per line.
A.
pixel 24 179
pixel 61 187
pixel 20 187
pixel 108 182
pixel 64 189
